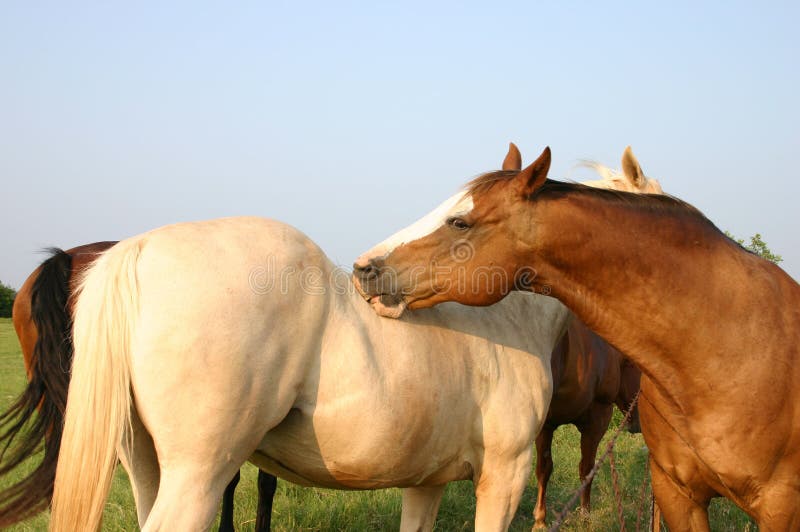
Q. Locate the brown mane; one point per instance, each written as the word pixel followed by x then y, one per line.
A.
pixel 484 182
pixel 650 202
pixel 655 203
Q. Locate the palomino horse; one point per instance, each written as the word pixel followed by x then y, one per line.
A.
pixel 199 346
pixel 715 328
pixel 42 317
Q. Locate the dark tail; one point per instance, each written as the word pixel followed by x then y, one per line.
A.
pixel 21 431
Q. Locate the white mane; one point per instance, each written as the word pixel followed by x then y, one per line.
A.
pixel 617 180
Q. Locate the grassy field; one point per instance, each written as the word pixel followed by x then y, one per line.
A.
pixel 299 508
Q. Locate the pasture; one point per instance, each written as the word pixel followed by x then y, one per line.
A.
pixel 298 508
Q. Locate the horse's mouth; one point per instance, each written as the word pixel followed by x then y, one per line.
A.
pixel 394 309
pixel 386 305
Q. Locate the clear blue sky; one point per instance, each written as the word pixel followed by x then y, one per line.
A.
pixel 350 120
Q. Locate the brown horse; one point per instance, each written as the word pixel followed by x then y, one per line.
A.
pixel 42 317
pixel 589 378
pixel 715 328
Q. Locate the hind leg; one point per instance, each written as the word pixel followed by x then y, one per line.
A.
pixel 199 453
pixel 188 499
pixel 592 430
pixel 141 463
pixel 499 489
pixel 197 463
pixel 420 506
pixel 544 468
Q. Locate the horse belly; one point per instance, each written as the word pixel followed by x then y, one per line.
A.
pixel 350 450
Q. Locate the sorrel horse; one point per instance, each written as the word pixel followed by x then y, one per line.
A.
pixel 589 375
pixel 199 346
pixel 719 341
pixel 42 317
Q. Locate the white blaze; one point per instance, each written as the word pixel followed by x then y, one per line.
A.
pixel 457 205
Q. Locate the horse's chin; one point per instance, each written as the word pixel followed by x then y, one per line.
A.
pixel 387 311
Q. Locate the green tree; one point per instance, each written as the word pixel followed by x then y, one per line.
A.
pixel 7 295
pixel 757 246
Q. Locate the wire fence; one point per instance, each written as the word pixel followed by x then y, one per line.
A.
pixel 643 500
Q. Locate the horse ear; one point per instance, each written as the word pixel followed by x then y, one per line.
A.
pixel 535 175
pixel 513 160
pixel 631 169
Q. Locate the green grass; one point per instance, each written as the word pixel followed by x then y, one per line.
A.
pixel 309 509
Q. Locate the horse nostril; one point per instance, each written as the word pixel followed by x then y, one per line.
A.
pixel 367 272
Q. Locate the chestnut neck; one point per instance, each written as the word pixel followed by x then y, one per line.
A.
pixel 638 275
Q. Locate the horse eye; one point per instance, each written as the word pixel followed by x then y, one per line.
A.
pixel 458 223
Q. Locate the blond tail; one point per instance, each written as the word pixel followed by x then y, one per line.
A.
pixel 99 399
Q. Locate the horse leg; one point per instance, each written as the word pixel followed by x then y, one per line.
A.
pixel 188 497
pixel 420 506
pixel 544 468
pixel 267 484
pixel 226 520
pixel 680 511
pixel 141 463
pixel 196 470
pixel 778 509
pixel 593 428
pixel 499 489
